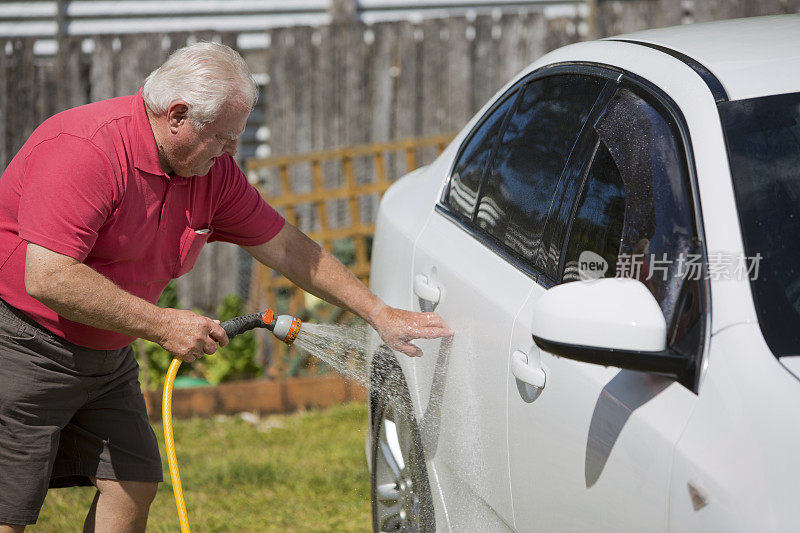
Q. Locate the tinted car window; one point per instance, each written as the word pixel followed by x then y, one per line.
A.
pixel 532 153
pixel 597 227
pixel 635 209
pixel 763 136
pixel 468 171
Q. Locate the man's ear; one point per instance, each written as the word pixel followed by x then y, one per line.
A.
pixel 176 115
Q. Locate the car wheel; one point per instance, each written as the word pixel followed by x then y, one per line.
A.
pixel 401 495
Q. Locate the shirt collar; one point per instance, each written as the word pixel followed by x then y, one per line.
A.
pixel 145 150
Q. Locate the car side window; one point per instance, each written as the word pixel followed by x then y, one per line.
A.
pixel 634 208
pixel 523 175
pixel 468 171
pixel 599 217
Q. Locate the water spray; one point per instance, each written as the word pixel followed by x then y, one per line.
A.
pixel 284 327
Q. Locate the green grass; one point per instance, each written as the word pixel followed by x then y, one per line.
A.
pixel 299 472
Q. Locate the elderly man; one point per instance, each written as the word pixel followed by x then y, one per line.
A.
pixel 102 206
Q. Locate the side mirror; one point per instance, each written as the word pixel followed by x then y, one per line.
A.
pixel 609 321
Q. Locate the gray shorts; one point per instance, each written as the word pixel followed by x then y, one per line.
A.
pixel 67 414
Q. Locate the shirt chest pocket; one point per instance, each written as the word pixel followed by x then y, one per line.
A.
pixel 192 242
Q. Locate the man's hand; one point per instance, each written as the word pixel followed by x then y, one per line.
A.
pixel 398 328
pixel 189 336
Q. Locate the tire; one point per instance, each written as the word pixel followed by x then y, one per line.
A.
pixel 401 494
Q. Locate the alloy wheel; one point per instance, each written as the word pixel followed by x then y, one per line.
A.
pixel 397 469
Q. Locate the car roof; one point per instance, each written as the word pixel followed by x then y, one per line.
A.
pixel 751 57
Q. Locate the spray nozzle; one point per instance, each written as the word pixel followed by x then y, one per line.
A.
pixel 284 327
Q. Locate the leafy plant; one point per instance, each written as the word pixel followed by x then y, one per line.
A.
pixel 153 359
pixel 237 359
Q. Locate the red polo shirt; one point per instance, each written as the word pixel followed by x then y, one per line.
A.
pixel 88 184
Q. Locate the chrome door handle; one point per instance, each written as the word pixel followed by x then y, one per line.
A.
pixel 425 290
pixel 526 373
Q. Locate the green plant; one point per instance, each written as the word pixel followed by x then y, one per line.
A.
pixel 169 298
pixel 234 361
pixel 153 359
pixel 345 251
pixel 237 359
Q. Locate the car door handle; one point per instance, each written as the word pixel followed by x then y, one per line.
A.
pixel 526 373
pixel 424 289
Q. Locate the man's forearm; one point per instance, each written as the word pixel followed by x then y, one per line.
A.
pixel 317 271
pixel 335 283
pixel 79 293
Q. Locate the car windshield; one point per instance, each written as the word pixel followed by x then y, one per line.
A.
pixel 763 137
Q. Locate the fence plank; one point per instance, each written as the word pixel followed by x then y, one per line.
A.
pixel 513 46
pixel 705 11
pixel 458 74
pixel 271 91
pixel 131 72
pixel 331 53
pixel 407 109
pixel 47 82
pixel 139 57
pixel 73 81
pixel 102 72
pixel 318 90
pixel 176 40
pixel 635 15
pixel 383 75
pixel 4 156
pixel 298 71
pixel 332 86
pixel 288 130
pixel 356 78
pixel 432 57
pixel 536 35
pixel 486 77
pixel 301 61
pixel 21 91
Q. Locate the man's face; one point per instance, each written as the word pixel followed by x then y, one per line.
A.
pixel 193 151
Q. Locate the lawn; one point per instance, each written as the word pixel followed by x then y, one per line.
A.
pixel 300 472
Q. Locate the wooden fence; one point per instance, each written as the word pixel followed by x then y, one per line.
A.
pixel 291 196
pixel 344 83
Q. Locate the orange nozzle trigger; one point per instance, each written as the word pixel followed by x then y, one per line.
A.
pixel 268 317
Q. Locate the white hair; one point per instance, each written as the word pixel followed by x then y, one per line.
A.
pixel 205 75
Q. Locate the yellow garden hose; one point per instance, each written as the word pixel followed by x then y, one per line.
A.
pixel 169 440
pixel 284 327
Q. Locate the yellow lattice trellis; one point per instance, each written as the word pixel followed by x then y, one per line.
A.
pixel 372 159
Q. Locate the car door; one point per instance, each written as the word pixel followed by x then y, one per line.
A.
pixel 474 264
pixel 592 449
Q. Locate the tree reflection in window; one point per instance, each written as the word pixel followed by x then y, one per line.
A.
pixel 523 175
pixel 468 171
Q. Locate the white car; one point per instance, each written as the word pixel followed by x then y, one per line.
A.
pixel 659 172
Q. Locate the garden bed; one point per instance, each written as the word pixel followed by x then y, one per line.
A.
pixel 261 396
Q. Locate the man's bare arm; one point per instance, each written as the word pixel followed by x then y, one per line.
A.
pixel 317 271
pixel 79 293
